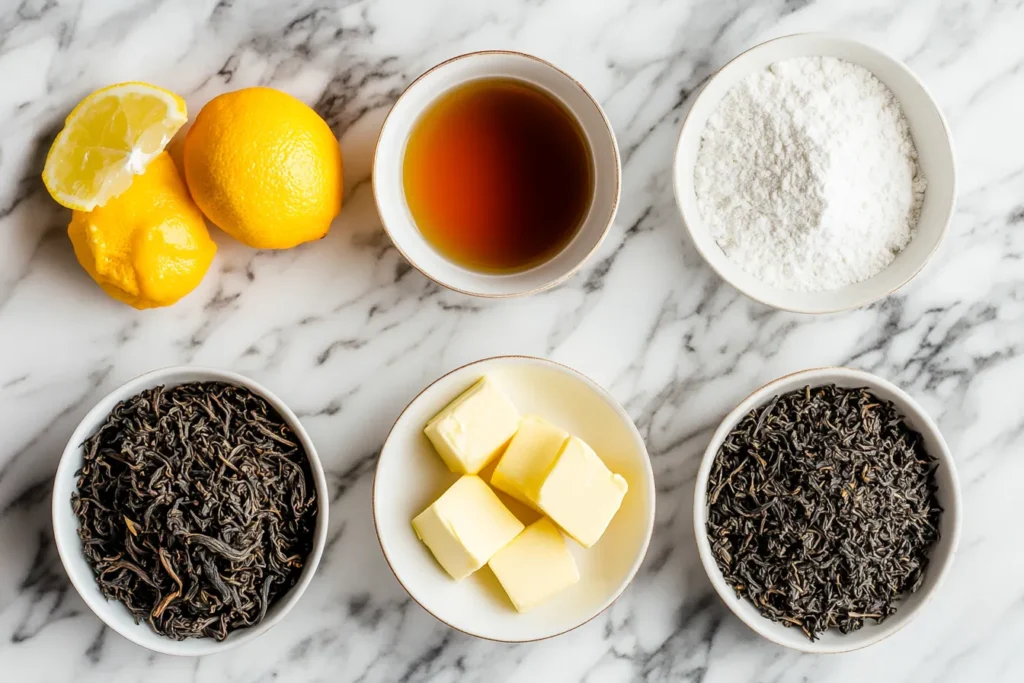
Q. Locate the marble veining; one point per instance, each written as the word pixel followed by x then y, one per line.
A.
pixel 346 332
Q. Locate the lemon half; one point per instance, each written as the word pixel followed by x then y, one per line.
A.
pixel 108 139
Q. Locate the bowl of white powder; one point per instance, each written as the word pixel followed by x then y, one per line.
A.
pixel 815 174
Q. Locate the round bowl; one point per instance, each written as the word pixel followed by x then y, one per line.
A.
pixel 942 553
pixel 927 127
pixel 69 546
pixel 389 191
pixel 410 476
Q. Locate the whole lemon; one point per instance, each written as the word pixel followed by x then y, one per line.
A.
pixel 149 246
pixel 264 167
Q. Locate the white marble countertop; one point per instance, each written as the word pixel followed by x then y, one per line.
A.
pixel 346 333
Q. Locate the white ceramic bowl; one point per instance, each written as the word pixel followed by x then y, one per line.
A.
pixel 931 137
pixel 389 191
pixel 410 476
pixel 942 553
pixel 69 546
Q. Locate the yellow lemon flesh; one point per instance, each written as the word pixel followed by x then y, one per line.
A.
pixel 264 167
pixel 149 246
pixel 108 139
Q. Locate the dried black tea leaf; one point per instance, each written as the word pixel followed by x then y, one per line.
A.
pixel 196 508
pixel 822 509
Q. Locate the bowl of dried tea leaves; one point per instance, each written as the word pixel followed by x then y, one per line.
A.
pixel 827 510
pixel 190 510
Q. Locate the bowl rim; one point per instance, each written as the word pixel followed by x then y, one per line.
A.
pixel 648 468
pixel 69 543
pixel 611 214
pixel 938 567
pixel 687 129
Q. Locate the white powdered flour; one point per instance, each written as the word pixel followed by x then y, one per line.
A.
pixel 807 176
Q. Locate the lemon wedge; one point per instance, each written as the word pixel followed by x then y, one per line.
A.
pixel 108 139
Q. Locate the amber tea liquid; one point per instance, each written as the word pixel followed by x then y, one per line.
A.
pixel 497 175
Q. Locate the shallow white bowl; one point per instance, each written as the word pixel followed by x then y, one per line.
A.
pixel 389 192
pixel 942 553
pixel 931 137
pixel 69 546
pixel 410 476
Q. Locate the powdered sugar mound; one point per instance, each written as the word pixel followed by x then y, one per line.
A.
pixel 807 176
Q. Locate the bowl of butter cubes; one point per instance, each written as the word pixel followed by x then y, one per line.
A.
pixel 514 499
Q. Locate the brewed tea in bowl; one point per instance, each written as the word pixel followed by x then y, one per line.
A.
pixel 496 174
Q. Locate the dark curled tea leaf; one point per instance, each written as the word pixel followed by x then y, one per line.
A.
pixel 822 509
pixel 196 508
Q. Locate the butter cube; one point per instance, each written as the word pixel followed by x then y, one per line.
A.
pixel 535 566
pixel 473 428
pixel 580 494
pixel 521 470
pixel 466 526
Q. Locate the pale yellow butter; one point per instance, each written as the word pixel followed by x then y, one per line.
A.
pixel 522 469
pixel 580 494
pixel 473 428
pixel 535 566
pixel 466 526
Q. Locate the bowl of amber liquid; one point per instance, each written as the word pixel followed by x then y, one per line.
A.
pixel 496 174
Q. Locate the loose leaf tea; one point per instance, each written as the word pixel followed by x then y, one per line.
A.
pixel 196 508
pixel 822 509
